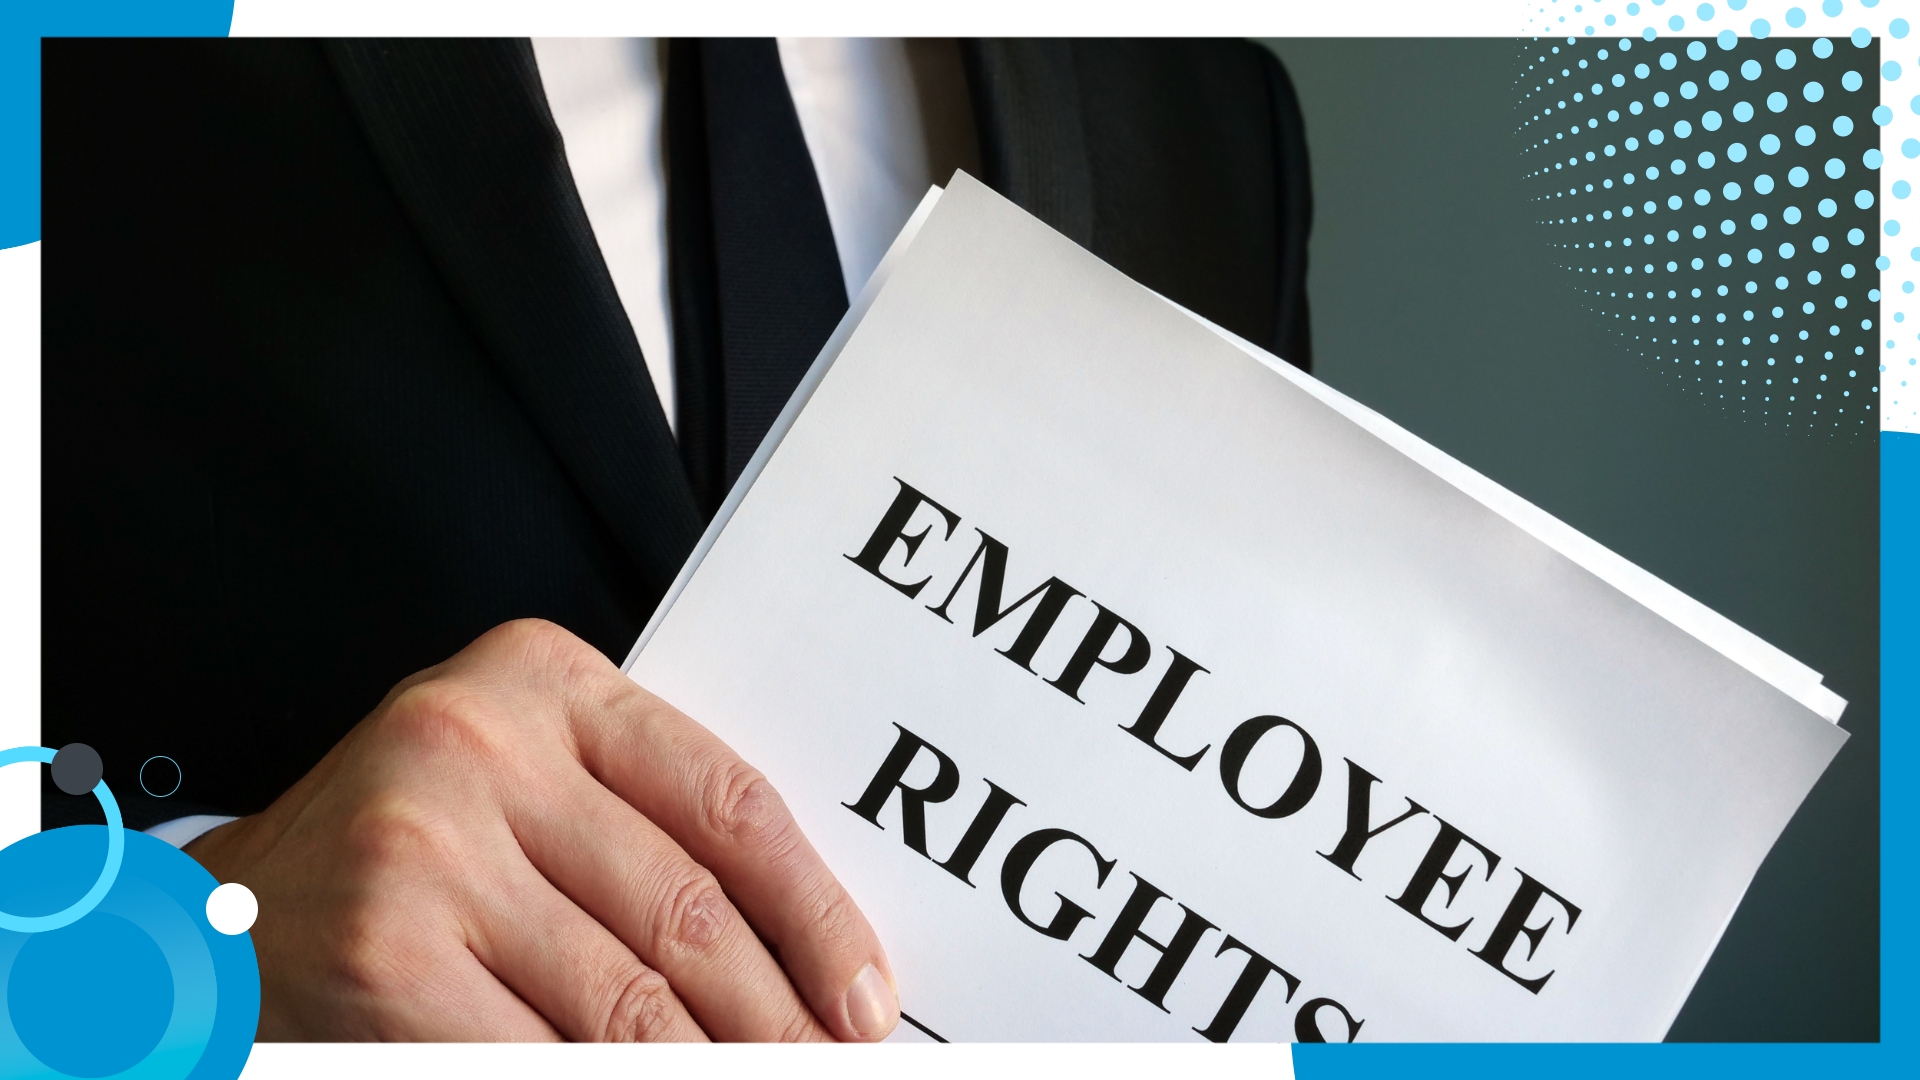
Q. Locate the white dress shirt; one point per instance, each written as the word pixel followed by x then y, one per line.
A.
pixel 883 119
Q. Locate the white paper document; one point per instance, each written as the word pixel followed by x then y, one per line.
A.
pixel 1138 689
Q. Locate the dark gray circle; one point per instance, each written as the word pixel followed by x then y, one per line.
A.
pixel 178 775
pixel 76 768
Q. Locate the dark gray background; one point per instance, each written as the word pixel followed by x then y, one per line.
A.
pixel 1436 300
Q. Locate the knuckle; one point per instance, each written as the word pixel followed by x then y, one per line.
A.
pixel 443 716
pixel 366 956
pixel 641 1009
pixel 696 913
pixel 744 807
pixel 537 643
pixel 394 837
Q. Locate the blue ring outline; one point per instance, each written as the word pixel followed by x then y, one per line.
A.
pixel 179 775
pixel 116 848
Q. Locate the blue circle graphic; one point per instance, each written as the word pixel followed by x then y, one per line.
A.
pixel 208 994
pixel 56 979
pixel 116 844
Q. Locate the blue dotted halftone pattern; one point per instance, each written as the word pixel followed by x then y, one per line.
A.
pixel 1842 26
pixel 1713 200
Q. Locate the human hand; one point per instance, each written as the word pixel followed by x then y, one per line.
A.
pixel 522 844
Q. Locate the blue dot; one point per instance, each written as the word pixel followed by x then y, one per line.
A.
pixel 1804 135
pixel 1898 28
pixel 1851 81
pixel 1785 59
pixel 1863 199
pixel 1890 70
pixel 1737 153
pixel 1763 184
pixel 1641 71
pixel 1648 33
pixel 1724 260
pixel 1705 159
pixel 1753 256
pixel 1689 90
pixel 1757 221
pixel 1731 191
pixel 1726 39
pixel 1704 12
pixel 1608 20
pixel 1786 251
pixel 1696 51
pixel 1856 237
pixel 1769 143
pixel 1667 62
pixel 1813 91
pixel 1777 102
pixel 1893 228
pixel 1902 189
pixel 1711 121
pixel 1718 80
pixel 1761 28
pixel 1674 23
pixel 1828 208
pixel 1860 38
pixel 1820 244
pixel 1791 215
pixel 1831 7
pixel 1882 115
pixel 1796 18
pixel 1822 48
pixel 1910 148
pixel 55 987
pixel 1872 159
pixel 1682 129
pixel 1843 126
pixel 1701 197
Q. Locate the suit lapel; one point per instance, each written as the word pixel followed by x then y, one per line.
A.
pixel 463 132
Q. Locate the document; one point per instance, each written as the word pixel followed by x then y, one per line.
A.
pixel 1139 687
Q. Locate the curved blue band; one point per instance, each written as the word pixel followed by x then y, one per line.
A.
pixel 116 847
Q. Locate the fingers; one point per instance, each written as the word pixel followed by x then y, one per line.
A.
pixel 428 988
pixel 468 1004
pixel 668 910
pixel 729 819
pixel 580 977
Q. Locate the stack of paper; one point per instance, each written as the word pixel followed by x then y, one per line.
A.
pixel 1139 686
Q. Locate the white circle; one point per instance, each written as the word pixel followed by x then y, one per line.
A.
pixel 231 908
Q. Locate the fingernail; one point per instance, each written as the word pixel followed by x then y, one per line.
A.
pixel 872 1008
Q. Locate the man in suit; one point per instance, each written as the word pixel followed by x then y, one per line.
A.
pixel 339 384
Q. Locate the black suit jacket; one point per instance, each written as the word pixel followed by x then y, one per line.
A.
pixel 335 378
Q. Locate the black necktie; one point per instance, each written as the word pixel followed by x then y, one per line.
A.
pixel 753 271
